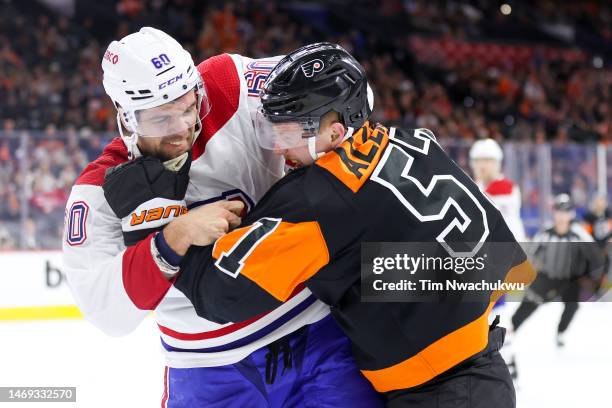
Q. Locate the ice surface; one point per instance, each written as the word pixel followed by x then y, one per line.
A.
pixel 128 371
pixel 577 375
pixel 107 371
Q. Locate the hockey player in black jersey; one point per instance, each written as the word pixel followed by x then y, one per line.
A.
pixel 358 182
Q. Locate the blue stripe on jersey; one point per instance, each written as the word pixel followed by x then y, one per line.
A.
pixel 299 308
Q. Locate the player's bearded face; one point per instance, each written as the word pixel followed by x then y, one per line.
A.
pixel 168 147
pixel 167 131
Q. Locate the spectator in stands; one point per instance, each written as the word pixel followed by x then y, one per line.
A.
pixel 49 75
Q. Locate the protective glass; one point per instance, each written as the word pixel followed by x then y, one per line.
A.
pixel 174 117
pixel 284 132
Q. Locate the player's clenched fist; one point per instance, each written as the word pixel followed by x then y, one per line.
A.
pixel 207 223
pixel 203 225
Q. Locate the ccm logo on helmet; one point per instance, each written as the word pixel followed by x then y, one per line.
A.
pixel 111 57
pixel 312 67
pixel 170 81
pixel 157 213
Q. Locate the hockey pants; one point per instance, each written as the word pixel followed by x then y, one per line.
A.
pixel 312 367
pixel 482 381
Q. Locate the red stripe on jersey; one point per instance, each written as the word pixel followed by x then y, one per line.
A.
pixel 500 187
pixel 114 154
pixel 144 283
pixel 220 76
pixel 209 334
pixel 222 331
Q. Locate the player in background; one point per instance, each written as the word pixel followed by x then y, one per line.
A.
pixel 367 184
pixel 187 139
pixel 486 158
pixel 598 223
pixel 566 258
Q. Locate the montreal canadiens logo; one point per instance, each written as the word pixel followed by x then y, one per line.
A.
pixel 312 67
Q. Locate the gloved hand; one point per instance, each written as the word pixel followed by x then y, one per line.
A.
pixel 145 195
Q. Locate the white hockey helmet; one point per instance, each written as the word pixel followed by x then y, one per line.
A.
pixel 148 69
pixel 486 149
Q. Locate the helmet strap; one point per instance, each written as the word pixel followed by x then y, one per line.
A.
pixel 370 96
pixel 120 125
pixel 132 145
pixel 199 95
pixel 343 132
pixel 312 148
pixel 130 141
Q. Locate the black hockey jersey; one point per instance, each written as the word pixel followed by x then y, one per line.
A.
pixel 571 255
pixel 380 185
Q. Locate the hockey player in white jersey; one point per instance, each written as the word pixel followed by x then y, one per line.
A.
pixel 187 140
pixel 486 162
pixel 486 158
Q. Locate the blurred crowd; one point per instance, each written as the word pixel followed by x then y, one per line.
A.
pixel 50 64
pixel 466 70
pixel 37 170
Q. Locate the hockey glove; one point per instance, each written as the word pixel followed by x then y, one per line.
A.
pixel 145 195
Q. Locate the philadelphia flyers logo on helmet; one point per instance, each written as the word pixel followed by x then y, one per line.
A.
pixel 312 67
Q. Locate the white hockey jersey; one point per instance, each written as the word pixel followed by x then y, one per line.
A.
pixel 115 286
pixel 507 198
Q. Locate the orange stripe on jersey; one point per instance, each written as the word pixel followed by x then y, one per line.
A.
pixel 355 159
pixel 447 351
pixel 521 273
pixel 437 358
pixel 284 259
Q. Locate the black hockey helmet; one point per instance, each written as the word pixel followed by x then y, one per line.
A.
pixel 563 202
pixel 313 80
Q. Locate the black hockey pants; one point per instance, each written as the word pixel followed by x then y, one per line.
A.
pixel 482 381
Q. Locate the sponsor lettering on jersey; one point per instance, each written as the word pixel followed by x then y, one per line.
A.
pixel 355 159
pixel 155 214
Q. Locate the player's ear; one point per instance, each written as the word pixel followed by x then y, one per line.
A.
pixel 338 132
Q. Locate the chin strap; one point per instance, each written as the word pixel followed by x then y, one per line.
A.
pixel 312 148
pixel 312 144
pixel 130 141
